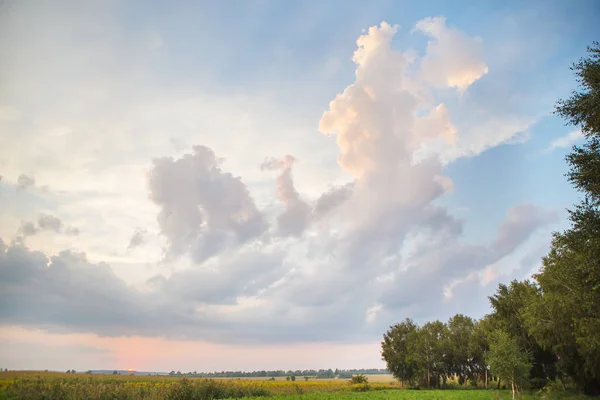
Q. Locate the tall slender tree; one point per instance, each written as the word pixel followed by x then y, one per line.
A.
pixel 565 317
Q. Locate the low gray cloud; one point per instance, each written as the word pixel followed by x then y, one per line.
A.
pixel 331 301
pixel 25 181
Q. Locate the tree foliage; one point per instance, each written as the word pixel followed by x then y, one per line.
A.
pixel 428 355
pixel 508 360
pixel 565 317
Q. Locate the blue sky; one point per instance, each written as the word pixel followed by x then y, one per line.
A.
pixel 245 175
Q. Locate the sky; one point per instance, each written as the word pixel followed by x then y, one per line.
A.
pixel 247 185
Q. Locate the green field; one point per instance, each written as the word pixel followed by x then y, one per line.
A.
pixel 60 386
pixel 401 394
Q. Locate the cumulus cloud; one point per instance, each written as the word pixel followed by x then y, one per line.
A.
pixel 353 258
pixel 24 181
pixel 203 209
pixel 452 59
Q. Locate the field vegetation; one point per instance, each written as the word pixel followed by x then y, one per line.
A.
pixel 61 386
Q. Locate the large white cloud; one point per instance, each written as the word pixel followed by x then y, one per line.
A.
pixel 339 264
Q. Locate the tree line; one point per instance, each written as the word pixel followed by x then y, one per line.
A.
pixel 542 330
pixel 313 373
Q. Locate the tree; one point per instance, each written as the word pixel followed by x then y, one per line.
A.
pixel 582 109
pixel 508 360
pixel 429 346
pixel 510 304
pixel 478 348
pixel 566 316
pixel 460 330
pixel 396 348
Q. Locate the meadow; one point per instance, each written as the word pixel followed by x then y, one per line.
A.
pixel 61 386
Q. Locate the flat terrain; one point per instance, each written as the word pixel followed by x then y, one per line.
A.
pixel 51 385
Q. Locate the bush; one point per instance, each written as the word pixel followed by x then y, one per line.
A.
pixel 358 379
pixel 361 387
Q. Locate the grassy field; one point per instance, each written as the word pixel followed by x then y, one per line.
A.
pixel 61 386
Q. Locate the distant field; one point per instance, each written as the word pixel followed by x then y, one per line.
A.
pixel 53 385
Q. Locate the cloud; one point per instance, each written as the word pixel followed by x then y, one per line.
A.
pixel 46 222
pixel 296 216
pixel 67 291
pixel 566 141
pixel 334 197
pixel 28 228
pixel 452 59
pixel 25 181
pixel 343 263
pixel 521 221
pixel 250 296
pixel 137 239
pixel 203 209
pixel 49 222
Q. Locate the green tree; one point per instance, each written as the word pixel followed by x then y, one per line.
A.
pixel 510 304
pixel 582 110
pixel 460 330
pixel 478 348
pixel 509 361
pixel 396 348
pixel 566 315
pixel 430 344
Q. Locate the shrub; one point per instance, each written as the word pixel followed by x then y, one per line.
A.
pixel 357 379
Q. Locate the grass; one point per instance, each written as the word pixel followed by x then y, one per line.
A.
pixel 475 394
pixel 61 386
